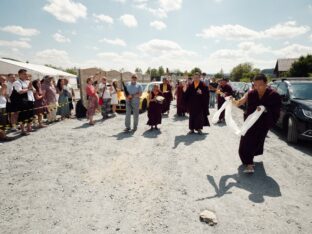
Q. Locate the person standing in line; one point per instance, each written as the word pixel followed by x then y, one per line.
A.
pixel 114 94
pixel 224 90
pixel 3 103
pixel 50 97
pixel 166 90
pixel 105 90
pixel 133 93
pixel 40 102
pixel 93 100
pixel 23 97
pixel 11 109
pixel 63 108
pixel 154 110
pixel 212 91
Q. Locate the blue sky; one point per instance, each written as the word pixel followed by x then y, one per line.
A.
pixel 179 34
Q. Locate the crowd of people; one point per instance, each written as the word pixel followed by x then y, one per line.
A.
pixel 25 102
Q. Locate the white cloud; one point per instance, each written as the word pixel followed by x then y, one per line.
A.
pixel 52 56
pixel 103 18
pixel 288 29
pixel 117 41
pixel 121 1
pixel 229 32
pixel 170 5
pixel 25 39
pixel 129 20
pixel 158 12
pixel 310 37
pixel 60 38
pixel 293 51
pixel 163 47
pixel 159 25
pixel 15 44
pixel 18 30
pixel 66 10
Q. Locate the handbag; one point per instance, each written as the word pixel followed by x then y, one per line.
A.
pixel 101 101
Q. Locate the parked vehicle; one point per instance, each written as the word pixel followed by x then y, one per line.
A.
pixel 144 100
pixel 296 111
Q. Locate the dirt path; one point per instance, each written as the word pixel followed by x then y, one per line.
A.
pixel 71 178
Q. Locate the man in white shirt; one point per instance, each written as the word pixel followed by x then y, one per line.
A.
pixel 105 93
pixel 24 99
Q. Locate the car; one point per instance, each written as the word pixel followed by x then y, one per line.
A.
pixel 296 112
pixel 144 100
pixel 239 89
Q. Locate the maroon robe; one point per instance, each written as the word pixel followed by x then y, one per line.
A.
pixel 168 97
pixel 252 143
pixel 197 106
pixel 154 111
pixel 181 105
pixel 228 91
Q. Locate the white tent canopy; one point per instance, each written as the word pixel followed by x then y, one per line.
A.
pixel 37 71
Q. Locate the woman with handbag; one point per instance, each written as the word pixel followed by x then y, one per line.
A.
pixel 93 101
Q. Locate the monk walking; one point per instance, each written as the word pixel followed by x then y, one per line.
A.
pixel 196 95
pixel 252 143
pixel 223 91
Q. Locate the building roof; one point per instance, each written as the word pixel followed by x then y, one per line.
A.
pixel 283 65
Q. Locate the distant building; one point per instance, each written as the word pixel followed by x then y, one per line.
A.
pixel 283 65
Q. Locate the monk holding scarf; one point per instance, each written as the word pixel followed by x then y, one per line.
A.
pixel 196 95
pixel 251 144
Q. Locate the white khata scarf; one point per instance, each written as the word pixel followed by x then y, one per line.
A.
pixel 249 122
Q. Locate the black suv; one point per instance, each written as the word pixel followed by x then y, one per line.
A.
pixel 296 112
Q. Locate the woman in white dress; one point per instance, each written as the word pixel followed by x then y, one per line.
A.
pixel 114 91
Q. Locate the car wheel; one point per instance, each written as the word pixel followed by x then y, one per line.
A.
pixel 292 134
pixel 144 106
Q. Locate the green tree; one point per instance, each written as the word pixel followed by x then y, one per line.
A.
pixel 148 71
pixel 302 67
pixel 154 73
pixel 194 70
pixel 244 71
pixel 138 70
pixel 161 71
pixel 72 71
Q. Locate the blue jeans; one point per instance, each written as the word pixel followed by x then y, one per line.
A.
pixel 132 106
pixel 212 100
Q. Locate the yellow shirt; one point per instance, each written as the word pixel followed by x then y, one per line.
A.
pixel 164 87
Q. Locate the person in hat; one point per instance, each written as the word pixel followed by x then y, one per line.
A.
pixel 134 92
pixel 224 90
pixel 196 95
pixel 166 89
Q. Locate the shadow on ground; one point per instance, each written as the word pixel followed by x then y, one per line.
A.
pixel 188 139
pixel 259 184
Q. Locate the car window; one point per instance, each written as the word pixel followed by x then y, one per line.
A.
pixel 282 88
pixel 301 91
pixel 150 87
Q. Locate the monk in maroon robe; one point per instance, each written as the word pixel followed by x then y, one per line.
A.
pixel 166 89
pixel 155 108
pixel 223 91
pixel 196 95
pixel 252 143
pixel 181 105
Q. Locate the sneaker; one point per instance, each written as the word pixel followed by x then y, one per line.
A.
pixel 190 132
pixel 134 129
pixel 200 132
pixel 127 130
